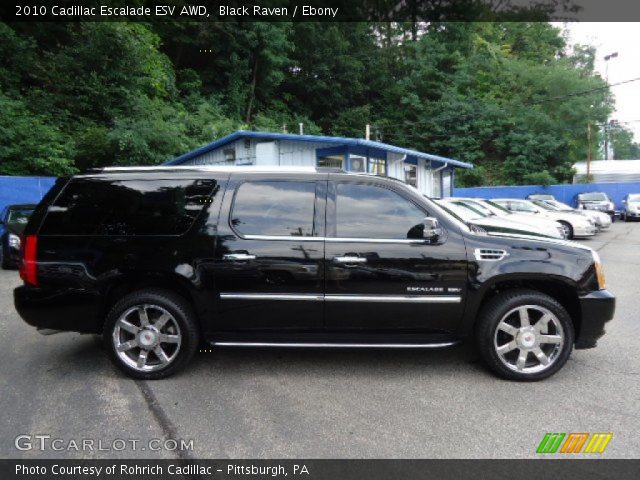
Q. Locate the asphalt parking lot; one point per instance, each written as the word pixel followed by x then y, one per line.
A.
pixel 244 403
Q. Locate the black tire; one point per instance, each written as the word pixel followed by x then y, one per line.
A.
pixel 181 325
pixel 487 334
pixel 568 228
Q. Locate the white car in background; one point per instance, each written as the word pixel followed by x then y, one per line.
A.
pixel 601 219
pixel 546 226
pixel 574 224
pixel 631 207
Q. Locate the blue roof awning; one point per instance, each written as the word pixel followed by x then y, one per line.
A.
pixel 355 145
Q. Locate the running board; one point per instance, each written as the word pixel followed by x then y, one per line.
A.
pixel 333 345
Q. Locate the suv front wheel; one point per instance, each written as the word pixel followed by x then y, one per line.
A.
pixel 524 335
pixel 151 334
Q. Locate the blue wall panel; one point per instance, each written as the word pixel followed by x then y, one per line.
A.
pixel 563 193
pixel 23 189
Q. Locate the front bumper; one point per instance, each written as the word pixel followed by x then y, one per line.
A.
pixel 632 214
pixel 69 309
pixel 585 231
pixel 12 256
pixel 597 308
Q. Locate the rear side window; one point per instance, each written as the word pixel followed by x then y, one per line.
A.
pixel 108 207
pixel 274 208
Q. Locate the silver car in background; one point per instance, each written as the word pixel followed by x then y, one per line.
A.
pixel 601 219
pixel 575 225
pixel 630 207
pixel 545 226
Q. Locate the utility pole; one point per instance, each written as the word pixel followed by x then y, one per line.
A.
pixel 301 128
pixel 367 132
pixel 589 152
pixel 606 124
pixel 606 140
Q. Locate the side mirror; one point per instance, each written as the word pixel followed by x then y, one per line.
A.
pixel 432 229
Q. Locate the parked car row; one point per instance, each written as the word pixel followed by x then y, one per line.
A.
pixel 509 216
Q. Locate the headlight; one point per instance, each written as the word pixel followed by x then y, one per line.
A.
pixel 599 270
pixel 14 241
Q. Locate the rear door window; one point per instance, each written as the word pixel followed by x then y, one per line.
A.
pixel 113 207
pixel 274 208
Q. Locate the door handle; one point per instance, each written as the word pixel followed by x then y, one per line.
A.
pixel 347 259
pixel 238 257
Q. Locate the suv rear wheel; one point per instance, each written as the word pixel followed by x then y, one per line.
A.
pixel 524 335
pixel 151 334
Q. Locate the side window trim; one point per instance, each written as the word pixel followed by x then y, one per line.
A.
pixel 332 218
pixel 244 236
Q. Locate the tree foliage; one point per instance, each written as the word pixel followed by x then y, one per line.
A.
pixel 504 96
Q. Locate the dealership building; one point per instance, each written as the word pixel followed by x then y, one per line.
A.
pixel 431 174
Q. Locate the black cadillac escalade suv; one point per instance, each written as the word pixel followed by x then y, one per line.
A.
pixel 161 259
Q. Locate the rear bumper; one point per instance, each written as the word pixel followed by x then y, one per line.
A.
pixel 597 309
pixel 73 310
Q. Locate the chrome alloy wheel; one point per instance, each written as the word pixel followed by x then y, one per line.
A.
pixel 566 231
pixel 147 338
pixel 529 339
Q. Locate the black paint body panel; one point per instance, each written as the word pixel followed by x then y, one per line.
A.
pixel 80 277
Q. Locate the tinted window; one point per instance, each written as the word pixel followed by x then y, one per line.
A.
pixel 366 211
pixel 274 208
pixel 127 207
pixel 17 219
pixel 593 197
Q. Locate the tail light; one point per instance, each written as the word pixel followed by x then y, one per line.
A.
pixel 28 269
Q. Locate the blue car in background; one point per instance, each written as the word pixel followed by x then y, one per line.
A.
pixel 13 219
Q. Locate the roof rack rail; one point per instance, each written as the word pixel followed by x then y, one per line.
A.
pixel 217 168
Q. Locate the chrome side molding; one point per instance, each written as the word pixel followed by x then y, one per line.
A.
pixel 334 345
pixel 344 298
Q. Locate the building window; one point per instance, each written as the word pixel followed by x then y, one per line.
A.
pixel 357 164
pixel 377 166
pixel 410 175
pixel 229 154
pixel 336 161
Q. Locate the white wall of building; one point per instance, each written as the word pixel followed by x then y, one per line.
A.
pixel 290 153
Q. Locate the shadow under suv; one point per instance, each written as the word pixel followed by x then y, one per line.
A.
pixel 158 260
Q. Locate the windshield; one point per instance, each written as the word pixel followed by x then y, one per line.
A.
pixel 496 208
pixel 593 197
pixel 477 206
pixel 634 199
pixel 522 206
pixel 544 204
pixel 19 218
pixel 463 213
pixel 556 205
pixel 474 207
